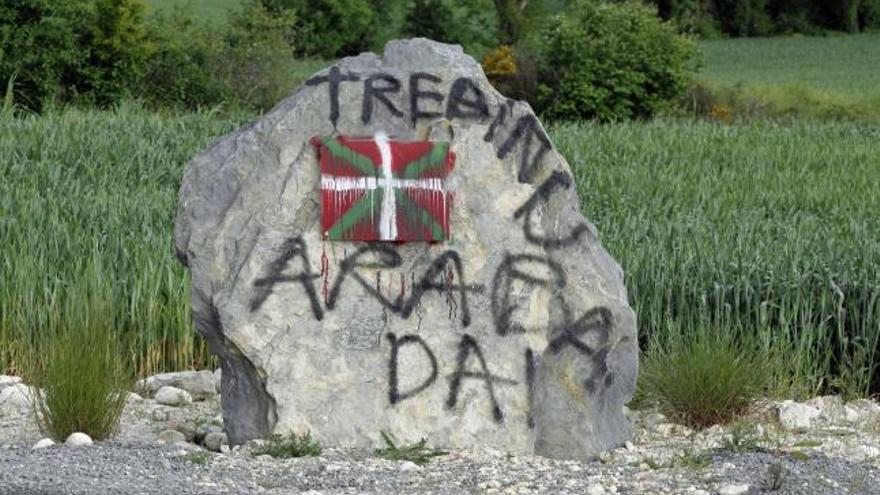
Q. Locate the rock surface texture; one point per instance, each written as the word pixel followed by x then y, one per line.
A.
pixel 514 334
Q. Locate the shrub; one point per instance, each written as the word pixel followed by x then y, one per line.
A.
pixel 245 63
pixel 292 445
pixel 702 379
pixel 692 16
pixel 743 17
pixel 78 365
pixel 71 50
pixel 470 23
pixel 329 28
pixel 257 56
pixel 612 62
pixel 180 71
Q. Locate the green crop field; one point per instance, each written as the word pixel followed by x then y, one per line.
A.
pixel 213 11
pixel 768 228
pixel 807 76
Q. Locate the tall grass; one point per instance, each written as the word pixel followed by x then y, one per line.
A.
pixel 766 228
pixel 83 186
pixel 78 362
pixel 704 377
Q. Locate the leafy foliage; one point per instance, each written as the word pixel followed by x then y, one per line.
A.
pixel 329 28
pixel 245 62
pixel 292 445
pixel 470 23
pixel 612 62
pixel 419 452
pixel 71 50
pixel 761 17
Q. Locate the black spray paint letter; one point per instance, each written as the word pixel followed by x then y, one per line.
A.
pixel 467 347
pixel 333 80
pixel 394 393
pixel 292 248
pixel 557 179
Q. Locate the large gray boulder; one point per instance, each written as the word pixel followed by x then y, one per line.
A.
pixel 515 334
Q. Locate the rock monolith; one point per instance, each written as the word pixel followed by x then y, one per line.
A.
pixel 398 248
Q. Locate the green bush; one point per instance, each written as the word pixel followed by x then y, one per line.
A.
pixel 612 62
pixel 71 50
pixel 702 379
pixel 692 16
pixel 180 71
pixel 470 23
pixel 78 365
pixel 329 28
pixel 743 17
pixel 245 63
pixel 257 56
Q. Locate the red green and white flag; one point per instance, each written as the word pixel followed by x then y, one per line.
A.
pixel 381 189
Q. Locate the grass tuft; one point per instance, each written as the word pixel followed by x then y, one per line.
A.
pixel 702 380
pixel 79 366
pixel 418 453
pixel 287 447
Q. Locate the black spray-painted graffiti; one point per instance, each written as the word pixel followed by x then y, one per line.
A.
pixel 290 249
pixel 506 275
pixel 588 336
pixel 557 179
pixel 464 101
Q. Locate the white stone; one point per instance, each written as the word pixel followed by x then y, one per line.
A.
pixel 8 380
pixel 732 489
pixel 165 413
pixel 869 451
pixel 78 440
pixel 831 407
pixel 851 414
pixel 42 444
pixel 133 398
pixel 215 441
pixel 199 384
pixel 171 437
pixel 866 409
pixel 218 379
pixel 173 396
pixel 16 396
pixel 408 467
pixel 596 489
pixel 794 416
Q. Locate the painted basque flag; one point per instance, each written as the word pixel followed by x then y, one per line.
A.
pixel 380 189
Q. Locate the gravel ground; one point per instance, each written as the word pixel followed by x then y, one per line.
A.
pixel 834 457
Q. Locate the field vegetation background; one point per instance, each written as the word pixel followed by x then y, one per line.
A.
pixel 742 204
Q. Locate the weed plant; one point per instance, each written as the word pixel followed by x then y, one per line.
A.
pixel 292 445
pixel 418 452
